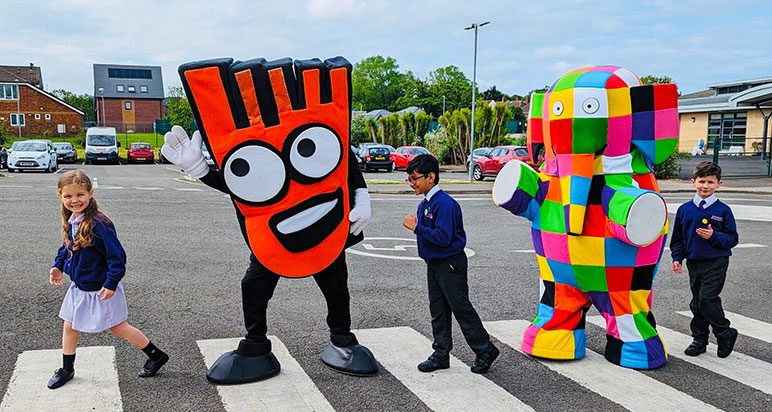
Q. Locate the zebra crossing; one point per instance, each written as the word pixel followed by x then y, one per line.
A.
pixel 398 350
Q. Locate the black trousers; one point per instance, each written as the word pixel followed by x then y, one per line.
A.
pixel 449 293
pixel 257 288
pixel 706 280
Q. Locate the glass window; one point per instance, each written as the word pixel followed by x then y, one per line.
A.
pixel 48 116
pixel 127 105
pixel 521 152
pixel 728 128
pixel 132 89
pixel 8 91
pixel 143 89
pixel 129 73
pixel 37 116
pixel 17 119
pixel 119 87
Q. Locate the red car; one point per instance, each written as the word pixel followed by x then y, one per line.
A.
pixel 140 152
pixel 489 165
pixel 404 154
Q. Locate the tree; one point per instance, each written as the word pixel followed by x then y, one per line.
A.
pixel 652 79
pixel 178 109
pixel 377 84
pixel 451 83
pixel 421 127
pixel 83 102
pixel 493 94
pixel 359 130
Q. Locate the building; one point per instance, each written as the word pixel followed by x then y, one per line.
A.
pixel 28 74
pixel 129 98
pixel 736 114
pixel 26 110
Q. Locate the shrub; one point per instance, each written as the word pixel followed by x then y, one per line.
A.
pixel 670 168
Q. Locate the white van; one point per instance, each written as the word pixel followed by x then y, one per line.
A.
pixel 102 145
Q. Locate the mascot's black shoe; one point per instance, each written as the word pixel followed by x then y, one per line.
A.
pixel 60 377
pixel 354 360
pixel 232 369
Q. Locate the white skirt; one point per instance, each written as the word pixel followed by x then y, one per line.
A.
pixel 88 313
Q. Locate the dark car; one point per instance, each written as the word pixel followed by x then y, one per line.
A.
pixel 65 152
pixel 374 157
pixel 3 158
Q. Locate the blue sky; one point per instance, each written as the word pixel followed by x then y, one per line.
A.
pixel 526 46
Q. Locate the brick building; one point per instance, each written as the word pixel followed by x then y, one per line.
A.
pixel 30 111
pixel 129 98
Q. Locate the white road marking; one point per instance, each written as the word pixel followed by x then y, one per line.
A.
pixel 400 349
pixel 397 248
pixel 94 387
pixel 182 189
pixel 742 368
pixel 746 326
pixel 94 183
pixel 291 390
pixel 148 188
pixel 597 374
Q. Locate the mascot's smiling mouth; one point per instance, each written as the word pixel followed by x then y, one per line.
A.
pixel 307 224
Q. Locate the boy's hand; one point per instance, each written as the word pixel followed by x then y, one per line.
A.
pixel 705 233
pixel 55 277
pixel 677 268
pixel 410 222
pixel 105 293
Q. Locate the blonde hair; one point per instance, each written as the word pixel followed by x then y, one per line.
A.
pixel 85 235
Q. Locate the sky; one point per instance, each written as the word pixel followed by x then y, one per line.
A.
pixel 527 45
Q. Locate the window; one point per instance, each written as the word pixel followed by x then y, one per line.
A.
pixel 37 116
pixel 143 89
pixel 119 87
pixel 132 89
pixel 728 128
pixel 127 105
pixel 17 119
pixel 9 91
pixel 129 73
pixel 48 116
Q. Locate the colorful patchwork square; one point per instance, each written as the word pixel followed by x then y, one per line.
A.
pixel 619 278
pixel 628 330
pixel 588 251
pixel 591 278
pixel 620 301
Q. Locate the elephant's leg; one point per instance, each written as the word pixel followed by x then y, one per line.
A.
pixel 557 332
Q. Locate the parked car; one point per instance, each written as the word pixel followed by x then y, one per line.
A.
pixel 65 152
pixel 3 158
pixel 489 165
pixel 33 155
pixel 161 158
pixel 374 157
pixel 404 154
pixel 102 145
pixel 140 152
pixel 476 153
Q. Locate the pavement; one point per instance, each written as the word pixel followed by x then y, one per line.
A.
pixel 454 179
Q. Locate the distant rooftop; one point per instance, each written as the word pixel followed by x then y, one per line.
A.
pixel 28 74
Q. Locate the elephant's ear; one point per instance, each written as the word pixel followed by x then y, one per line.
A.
pixel 535 131
pixel 655 120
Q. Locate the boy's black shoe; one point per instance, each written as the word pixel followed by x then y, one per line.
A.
pixel 152 366
pixel 726 345
pixel 60 377
pixel 434 363
pixel 483 362
pixel 695 348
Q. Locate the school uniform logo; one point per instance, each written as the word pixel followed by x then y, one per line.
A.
pixel 428 213
pixel 717 218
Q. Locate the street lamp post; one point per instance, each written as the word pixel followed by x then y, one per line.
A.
pixel 474 26
pixel 102 94
pixel 18 107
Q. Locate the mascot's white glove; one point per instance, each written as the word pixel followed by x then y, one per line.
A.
pixel 360 214
pixel 184 152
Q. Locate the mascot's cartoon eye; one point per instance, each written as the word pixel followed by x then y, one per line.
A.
pixel 254 173
pixel 590 105
pixel 557 108
pixel 315 152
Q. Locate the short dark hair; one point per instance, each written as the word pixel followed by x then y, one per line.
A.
pixel 707 168
pixel 425 164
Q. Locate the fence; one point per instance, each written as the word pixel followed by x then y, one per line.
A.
pixel 747 157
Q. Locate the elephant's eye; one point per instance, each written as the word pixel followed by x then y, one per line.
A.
pixel 255 174
pixel 557 108
pixel 590 105
pixel 314 152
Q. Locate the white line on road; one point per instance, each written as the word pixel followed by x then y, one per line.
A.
pixel 400 349
pixel 94 183
pixel 597 374
pixel 94 387
pixel 189 190
pixel 746 326
pixel 291 390
pixel 148 188
pixel 742 368
pixel 111 188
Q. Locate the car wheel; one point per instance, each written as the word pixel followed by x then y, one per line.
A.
pixel 477 173
pixel 11 170
pixel 390 168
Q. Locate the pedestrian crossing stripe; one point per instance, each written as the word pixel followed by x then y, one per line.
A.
pixel 739 367
pixel 400 349
pixel 94 387
pixel 748 327
pixel 291 390
pixel 627 387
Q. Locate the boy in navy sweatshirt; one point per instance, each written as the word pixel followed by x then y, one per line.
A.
pixel 704 233
pixel 440 235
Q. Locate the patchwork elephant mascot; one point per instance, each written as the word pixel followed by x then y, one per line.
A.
pixel 278 132
pixel 598 222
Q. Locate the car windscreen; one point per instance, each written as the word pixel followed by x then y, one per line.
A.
pixel 521 152
pixel 31 147
pixel 100 140
pixel 65 146
pixel 379 151
pixel 418 151
pixel 140 146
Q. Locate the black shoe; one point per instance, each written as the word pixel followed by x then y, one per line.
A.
pixel 60 377
pixel 152 366
pixel 484 362
pixel 434 363
pixel 726 345
pixel 695 348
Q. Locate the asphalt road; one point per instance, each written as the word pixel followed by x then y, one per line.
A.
pixel 187 256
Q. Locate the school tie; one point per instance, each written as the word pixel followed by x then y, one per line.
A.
pixel 702 204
